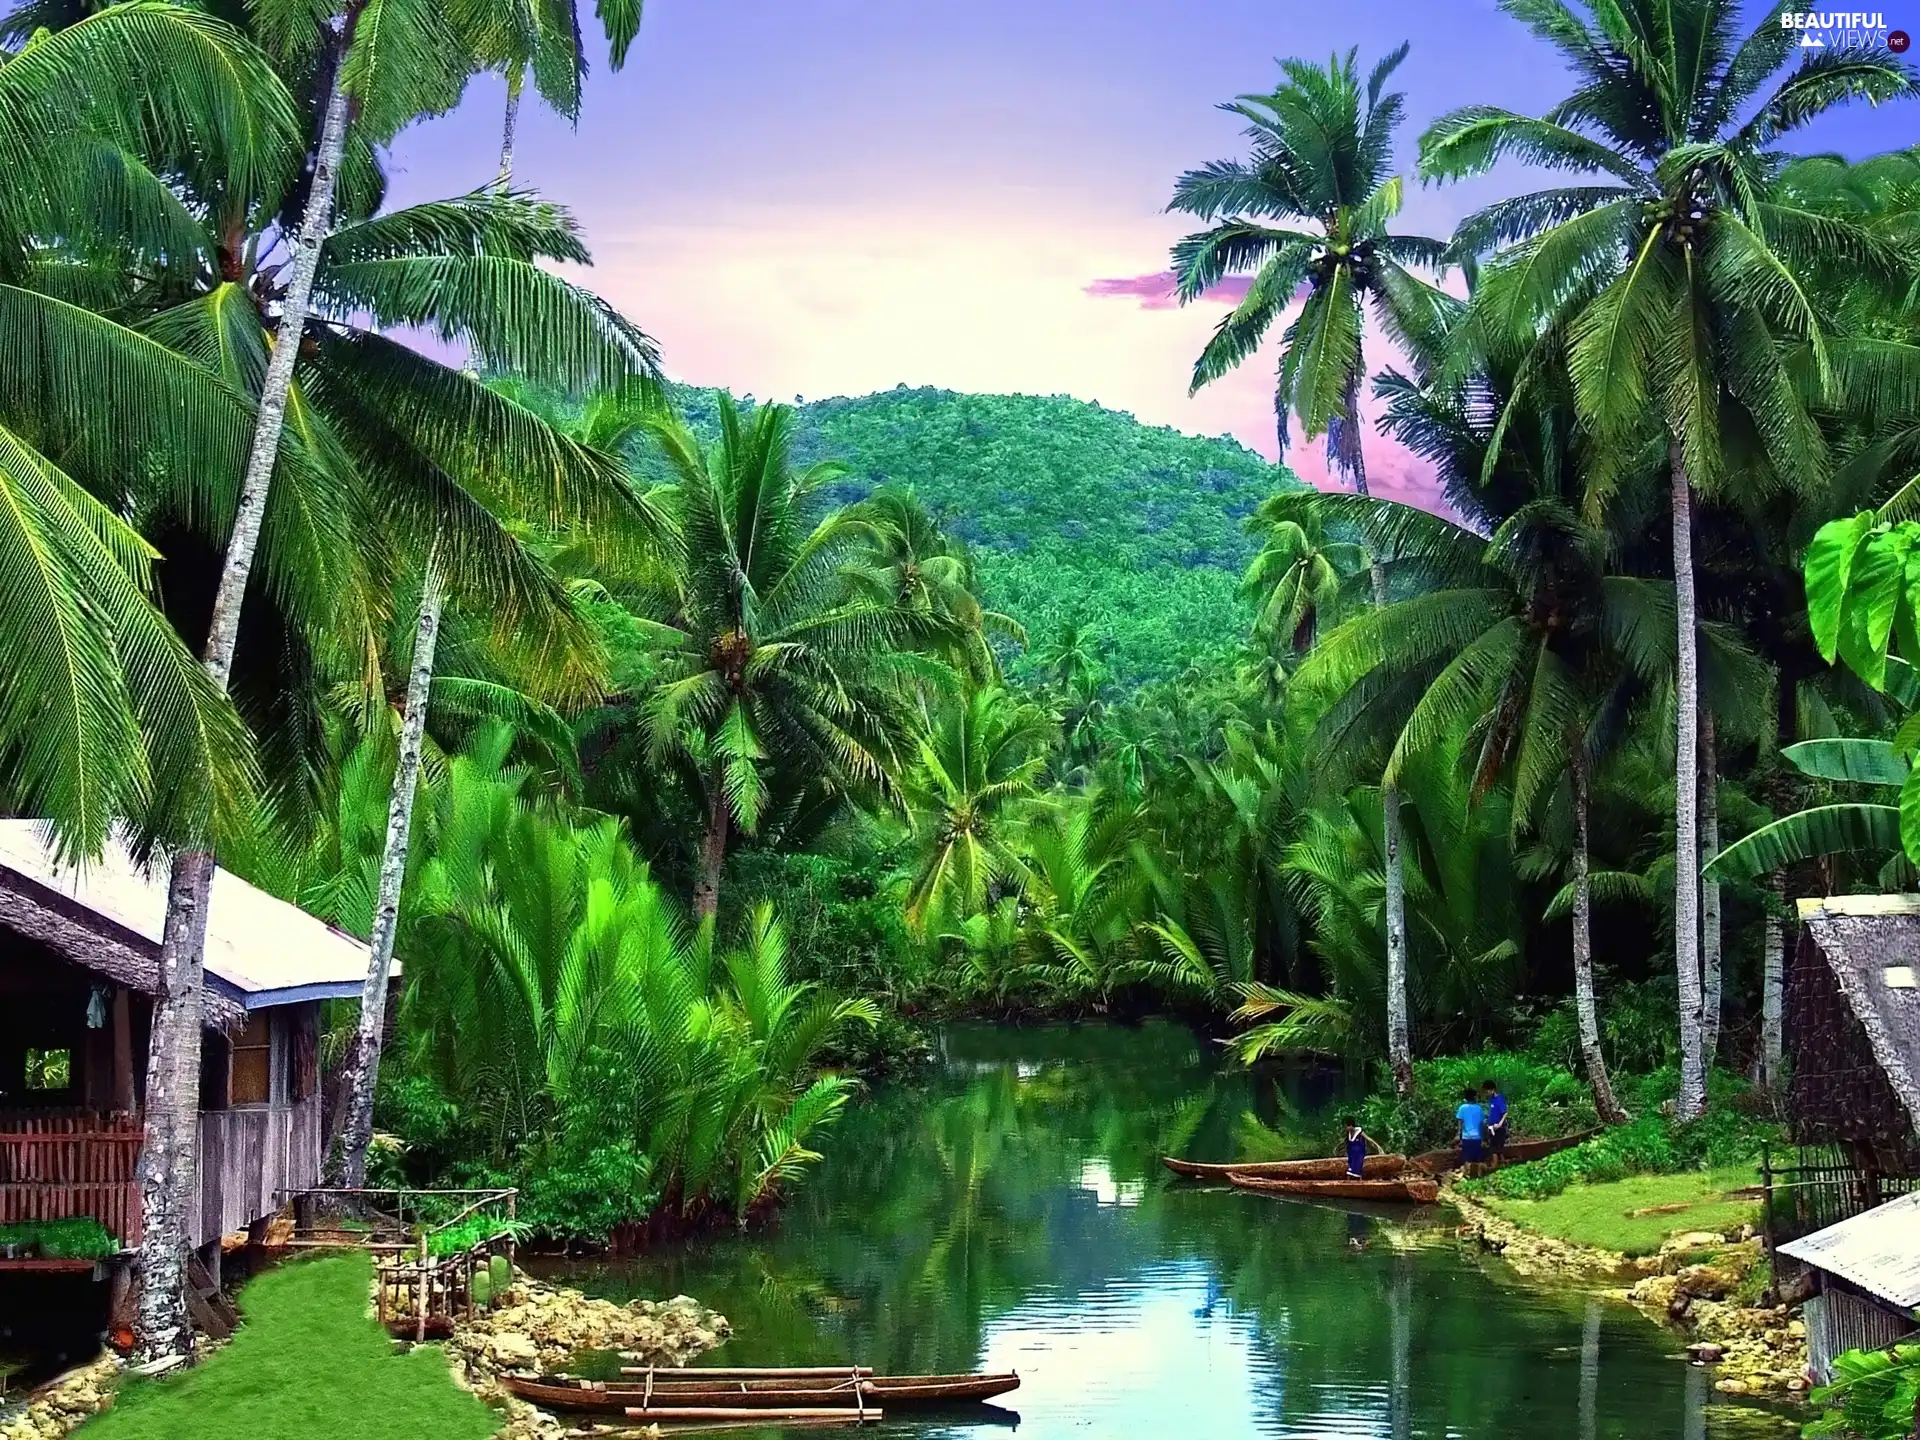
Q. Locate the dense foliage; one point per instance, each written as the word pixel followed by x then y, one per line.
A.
pixel 1075 514
pixel 691 753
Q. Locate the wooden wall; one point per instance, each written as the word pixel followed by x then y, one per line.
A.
pixel 251 1160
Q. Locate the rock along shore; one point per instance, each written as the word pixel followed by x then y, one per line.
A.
pixel 1688 1288
pixel 539 1328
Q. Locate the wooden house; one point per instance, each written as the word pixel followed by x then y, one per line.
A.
pixel 78 961
pixel 1867 1281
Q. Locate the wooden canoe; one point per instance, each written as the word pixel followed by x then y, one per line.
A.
pixel 1410 1189
pixel 560 1392
pixel 1379 1167
pixel 1439 1162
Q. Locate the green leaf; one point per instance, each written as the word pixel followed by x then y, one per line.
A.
pixel 1808 835
pixel 1863 762
pixel 1829 569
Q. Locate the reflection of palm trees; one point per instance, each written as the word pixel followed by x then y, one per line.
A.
pixel 1590 1370
pixel 1695 1424
pixel 1400 1395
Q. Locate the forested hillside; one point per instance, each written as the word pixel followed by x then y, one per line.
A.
pixel 1075 513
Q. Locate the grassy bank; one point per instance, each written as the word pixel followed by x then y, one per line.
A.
pixel 1633 1216
pixel 310 1363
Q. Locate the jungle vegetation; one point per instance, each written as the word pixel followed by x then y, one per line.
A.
pixel 690 752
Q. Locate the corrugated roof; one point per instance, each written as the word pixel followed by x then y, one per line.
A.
pixel 1878 1250
pixel 259 948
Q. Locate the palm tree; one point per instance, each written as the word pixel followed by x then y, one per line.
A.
pixel 1670 284
pixel 910 561
pixel 1298 576
pixel 436 453
pixel 1322 156
pixel 979 756
pixel 104 712
pixel 541 39
pixel 770 657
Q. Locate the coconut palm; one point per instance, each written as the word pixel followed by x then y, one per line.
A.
pixel 1298 577
pixel 966 794
pixel 1670 283
pixel 540 40
pixel 104 712
pixel 769 657
pixel 910 561
pixel 1322 157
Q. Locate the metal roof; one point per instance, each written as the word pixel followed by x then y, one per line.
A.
pixel 1877 1250
pixel 260 950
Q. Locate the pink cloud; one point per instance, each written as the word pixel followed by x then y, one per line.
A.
pixel 1156 292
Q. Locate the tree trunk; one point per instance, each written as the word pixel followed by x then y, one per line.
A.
pixel 1399 1039
pixel 713 851
pixel 1773 969
pixel 1686 860
pixel 516 82
pixel 1585 1005
pixel 347 1162
pixel 169 1150
pixel 1709 892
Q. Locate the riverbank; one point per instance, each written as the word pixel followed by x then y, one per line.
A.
pixel 310 1354
pixel 1699 1284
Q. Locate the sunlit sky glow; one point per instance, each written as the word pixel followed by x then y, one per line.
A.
pixel 834 197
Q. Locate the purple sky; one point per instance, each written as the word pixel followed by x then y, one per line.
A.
pixel 829 198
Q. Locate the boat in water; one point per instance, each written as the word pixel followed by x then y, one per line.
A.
pixel 713 1388
pixel 1379 1167
pixel 1406 1189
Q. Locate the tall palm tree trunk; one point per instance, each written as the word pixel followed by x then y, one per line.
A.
pixel 1709 891
pixel 1686 817
pixel 1344 451
pixel 169 1151
pixel 713 849
pixel 1586 1008
pixel 347 1158
pixel 516 82
pixel 1773 969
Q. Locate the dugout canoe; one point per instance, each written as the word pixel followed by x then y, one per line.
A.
pixel 1439 1162
pixel 1379 1167
pixel 1410 1189
pixel 681 1390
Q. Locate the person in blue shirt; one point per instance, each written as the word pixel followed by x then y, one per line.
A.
pixel 1358 1142
pixel 1496 1108
pixel 1473 1121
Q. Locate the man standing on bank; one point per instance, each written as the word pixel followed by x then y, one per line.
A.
pixel 1496 1108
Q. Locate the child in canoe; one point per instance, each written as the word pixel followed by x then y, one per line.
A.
pixel 1358 1143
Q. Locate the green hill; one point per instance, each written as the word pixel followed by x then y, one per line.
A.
pixel 1074 512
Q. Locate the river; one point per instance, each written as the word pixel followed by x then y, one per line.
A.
pixel 1009 1214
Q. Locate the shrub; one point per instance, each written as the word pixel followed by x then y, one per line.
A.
pixel 1875 1394
pixel 1545 1099
pixel 79 1238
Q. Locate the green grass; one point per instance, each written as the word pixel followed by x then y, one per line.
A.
pixel 310 1363
pixel 1601 1215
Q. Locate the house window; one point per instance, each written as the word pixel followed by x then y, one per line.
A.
pixel 49 1069
pixel 252 1071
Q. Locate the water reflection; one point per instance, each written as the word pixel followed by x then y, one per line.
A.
pixel 1012 1215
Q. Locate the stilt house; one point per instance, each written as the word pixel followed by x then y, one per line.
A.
pixel 79 951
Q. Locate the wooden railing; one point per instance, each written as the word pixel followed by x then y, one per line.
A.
pixel 424 1274
pixel 56 1166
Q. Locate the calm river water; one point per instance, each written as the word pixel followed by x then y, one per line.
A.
pixel 1011 1215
